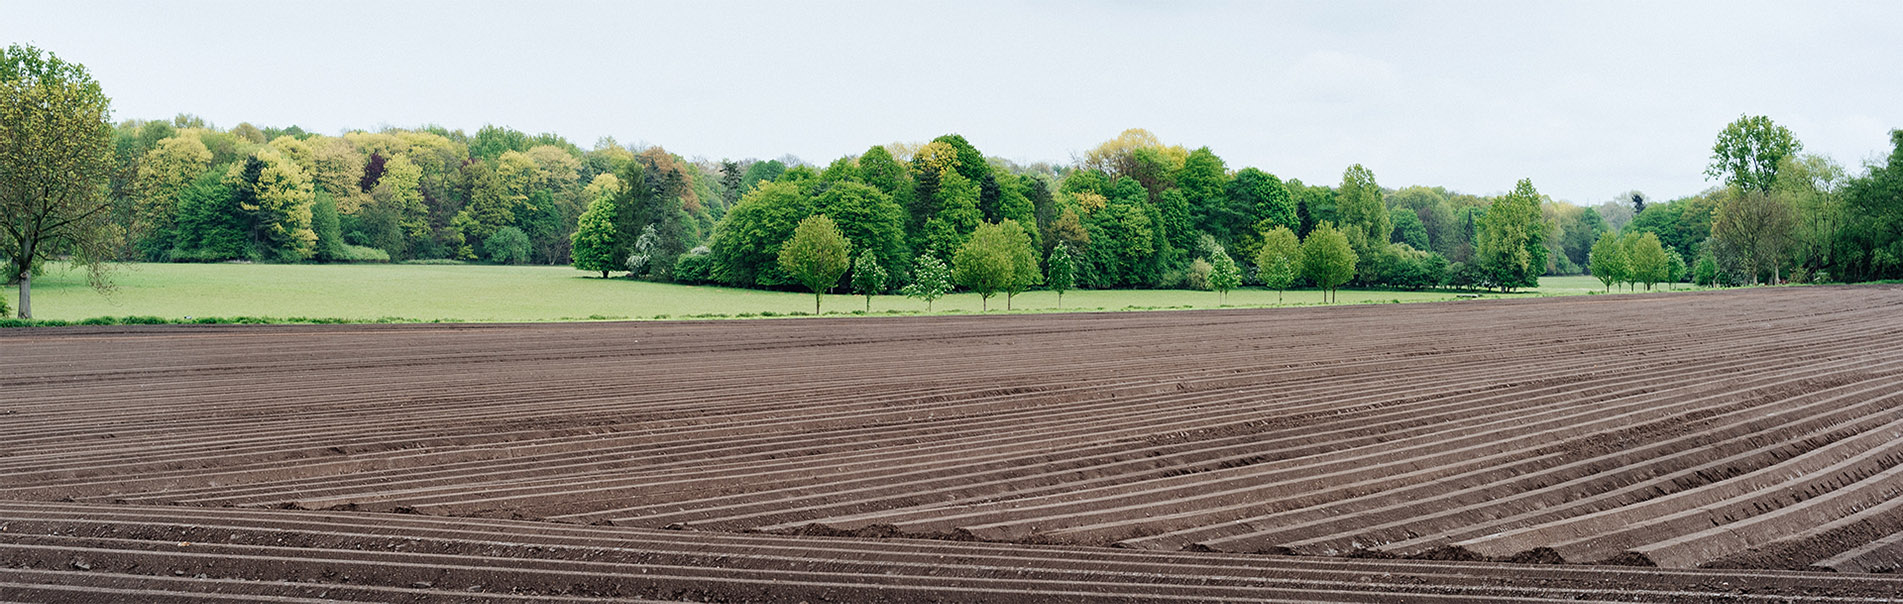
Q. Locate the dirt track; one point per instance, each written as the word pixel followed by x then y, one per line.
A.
pixel 1758 429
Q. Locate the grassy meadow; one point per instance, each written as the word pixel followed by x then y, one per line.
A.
pixel 482 293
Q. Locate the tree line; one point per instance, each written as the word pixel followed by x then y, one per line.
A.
pixel 1132 212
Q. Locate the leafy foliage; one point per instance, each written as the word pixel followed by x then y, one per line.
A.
pixel 1327 259
pixel 815 256
pixel 931 280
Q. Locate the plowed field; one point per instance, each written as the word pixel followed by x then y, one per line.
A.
pixel 1717 446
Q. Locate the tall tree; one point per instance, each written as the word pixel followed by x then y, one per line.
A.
pixel 594 240
pixel 1327 259
pixel 55 160
pixel 1749 151
pixel 276 196
pixel 1512 250
pixel 1024 272
pixel 1759 225
pixel 816 255
pixel 164 172
pixel 1362 216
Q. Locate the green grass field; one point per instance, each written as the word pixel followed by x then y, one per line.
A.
pixel 536 293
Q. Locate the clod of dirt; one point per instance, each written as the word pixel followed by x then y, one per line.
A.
pixel 1542 555
pixel 1449 553
pixel 1371 554
pixel 1629 559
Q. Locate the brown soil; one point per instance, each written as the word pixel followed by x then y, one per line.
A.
pixel 1751 429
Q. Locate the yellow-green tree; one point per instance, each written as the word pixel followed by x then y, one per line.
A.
pixel 276 196
pixel 165 171
pixel 816 255
pixel 55 158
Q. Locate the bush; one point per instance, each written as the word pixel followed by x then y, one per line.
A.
pixel 695 266
pixel 4 309
pixel 436 262
pixel 509 245
pixel 1197 277
pixel 208 255
pixel 358 253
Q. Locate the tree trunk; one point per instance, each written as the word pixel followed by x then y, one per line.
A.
pixel 1060 300
pixel 1007 300
pixel 868 302
pixel 26 294
pixel 816 304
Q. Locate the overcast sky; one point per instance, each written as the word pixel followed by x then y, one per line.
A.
pixel 1587 99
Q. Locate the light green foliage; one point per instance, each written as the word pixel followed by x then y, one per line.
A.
pixel 1063 271
pixel 1359 211
pixel 1278 263
pixel 163 173
pixel 816 255
pixel 868 278
pixel 497 190
pixel 1749 151
pixel 1646 260
pixel 1512 239
pixel 1608 260
pixel 508 245
pixel 1705 273
pixel 1024 271
pixel 1196 277
pixel 986 263
pixel 55 156
pixel 1674 266
pixel 931 280
pixel 1327 259
pixel 276 195
pixel 1223 274
pixel 594 240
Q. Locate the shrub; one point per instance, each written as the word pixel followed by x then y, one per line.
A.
pixel 509 245
pixel 358 253
pixel 1197 277
pixel 695 266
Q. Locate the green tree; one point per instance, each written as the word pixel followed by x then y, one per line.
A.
pixel 1870 244
pixel 815 255
pixel 869 218
pixel 1760 226
pixel 1608 260
pixel 1278 263
pixel 746 243
pixel 931 280
pixel 1646 260
pixel 593 243
pixel 1223 274
pixel 508 245
pixel 1408 229
pixel 1327 259
pixel 329 230
pixel 1674 267
pixel 55 160
pixel 1362 216
pixel 1063 271
pixel 1749 151
pixel 1024 272
pixel 163 173
pixel 986 263
pixel 868 278
pixel 276 196
pixel 1512 250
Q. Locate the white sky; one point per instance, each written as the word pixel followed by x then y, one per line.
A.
pixel 1587 99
